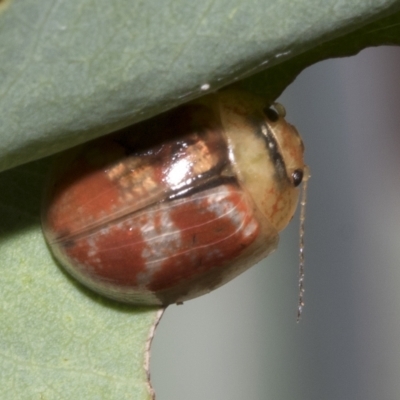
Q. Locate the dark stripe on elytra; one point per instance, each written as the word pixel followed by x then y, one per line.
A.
pixel 212 178
pixel 206 184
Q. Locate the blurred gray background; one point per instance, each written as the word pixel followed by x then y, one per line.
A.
pixel 242 342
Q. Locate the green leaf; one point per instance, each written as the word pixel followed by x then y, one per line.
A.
pixel 384 31
pixel 71 71
pixel 58 341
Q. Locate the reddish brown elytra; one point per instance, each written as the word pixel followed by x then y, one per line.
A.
pixel 173 207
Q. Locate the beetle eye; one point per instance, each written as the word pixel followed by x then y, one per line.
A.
pixel 271 114
pixel 297 177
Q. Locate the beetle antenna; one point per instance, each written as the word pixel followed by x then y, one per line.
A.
pixel 303 201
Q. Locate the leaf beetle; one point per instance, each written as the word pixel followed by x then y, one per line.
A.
pixel 173 207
